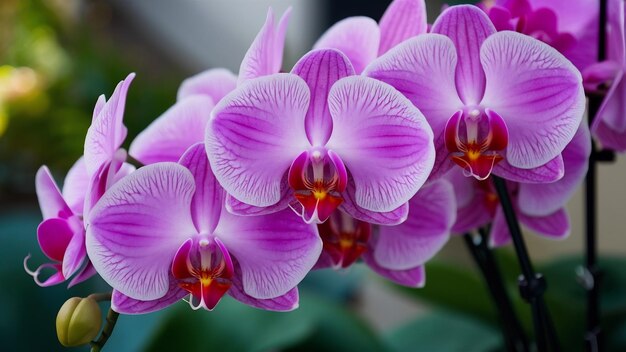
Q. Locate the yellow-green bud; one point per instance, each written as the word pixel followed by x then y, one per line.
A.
pixel 78 321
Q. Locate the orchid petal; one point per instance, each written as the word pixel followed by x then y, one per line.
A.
pixel 468 27
pixel 283 303
pixel 538 93
pixel 383 140
pixel 551 171
pixel 107 131
pixel 255 134
pixel 349 206
pixel 545 199
pixel 127 305
pixel 464 189
pixel 75 254
pixel 411 67
pixel 214 83
pixel 413 277
pixel 56 278
pixel 75 186
pixel 432 212
pixel 499 235
pixel 50 199
pixel 54 235
pixel 554 226
pixel 167 138
pixel 274 251
pixel 85 273
pixel 320 69
pixel 471 217
pixel 613 108
pixel 402 20
pixel 265 55
pixel 608 137
pixel 356 37
pixel 208 199
pixel 137 227
pixel 240 208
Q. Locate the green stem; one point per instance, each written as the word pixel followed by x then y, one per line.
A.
pixel 111 319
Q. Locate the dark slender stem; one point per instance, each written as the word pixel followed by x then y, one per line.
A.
pixel 532 285
pixel 512 329
pixel 109 325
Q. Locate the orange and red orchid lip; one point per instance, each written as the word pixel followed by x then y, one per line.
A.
pixel 475 140
pixel 204 269
pixel 318 177
pixel 344 238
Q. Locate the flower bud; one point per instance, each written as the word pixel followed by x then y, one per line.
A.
pixel 78 321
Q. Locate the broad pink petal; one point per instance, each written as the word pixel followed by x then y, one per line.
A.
pixel 554 226
pixel 50 199
pixel 137 227
pixel 75 253
pixel 274 251
pixel 85 273
pixel 75 186
pixel 283 303
pixel 265 55
pixel 321 69
pixel 349 206
pixel 601 72
pixel 499 235
pixel 413 277
pixel 127 305
pixel 240 208
pixel 356 37
pixel 255 134
pixel 214 83
pixel 613 109
pixel 54 235
pixel 551 171
pixel 208 200
pixel 464 187
pixel 412 67
pixel 107 131
pixel 538 93
pixel 609 138
pixel 432 212
pixel 468 27
pixel 384 141
pixel 471 217
pixel 167 138
pixel 402 20
pixel 544 199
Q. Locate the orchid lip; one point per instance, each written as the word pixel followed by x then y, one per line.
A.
pixel 204 268
pixel 317 176
pixel 476 138
pixel 344 239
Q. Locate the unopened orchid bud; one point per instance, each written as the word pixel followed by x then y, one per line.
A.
pixel 78 321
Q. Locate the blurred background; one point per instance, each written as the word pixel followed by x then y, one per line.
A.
pixel 58 56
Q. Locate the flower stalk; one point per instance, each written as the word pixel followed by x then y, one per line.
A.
pixel 109 325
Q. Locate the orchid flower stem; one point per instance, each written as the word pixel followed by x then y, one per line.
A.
pixel 532 285
pixel 109 325
pixel 481 253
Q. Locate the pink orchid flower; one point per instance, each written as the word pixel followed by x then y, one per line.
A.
pixel 497 101
pixel 161 234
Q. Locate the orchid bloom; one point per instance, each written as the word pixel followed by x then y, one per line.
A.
pixel 161 234
pixel 572 30
pixel 362 40
pixel 61 235
pixel 395 252
pixel 318 139
pixel 501 102
pixel 540 206
pixel 609 125
pixel 183 125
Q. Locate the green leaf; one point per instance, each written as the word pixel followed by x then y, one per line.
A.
pixel 445 331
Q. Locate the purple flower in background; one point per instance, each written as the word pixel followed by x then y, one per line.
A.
pixel 317 140
pixel 183 125
pixel 501 102
pixel 395 252
pixel 61 235
pixel 540 206
pixel 362 40
pixel 570 29
pixel 161 234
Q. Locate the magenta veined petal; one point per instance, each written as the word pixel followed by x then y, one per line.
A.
pixel 320 69
pixel 107 130
pixel 549 172
pixel 274 251
pixel 349 206
pixel 208 200
pixel 384 141
pixel 265 55
pixel 75 186
pixel 538 93
pixel 255 134
pixel 137 226
pixel 554 226
pixel 356 37
pixel 50 199
pixel 283 303
pixel 126 305
pixel 413 277
pixel 402 20
pixel 468 27
pixel 426 230
pixel 53 236
pixel 214 83
pixel 169 136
